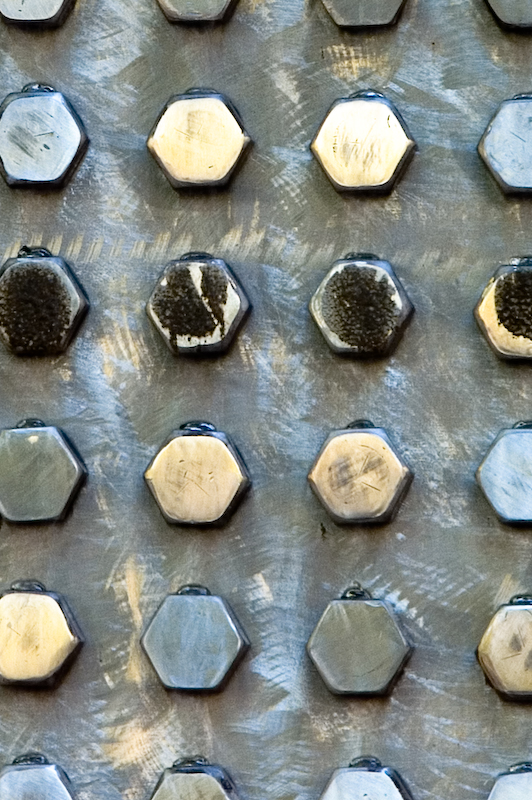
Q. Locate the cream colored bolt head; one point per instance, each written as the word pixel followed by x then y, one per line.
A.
pixel 197 477
pixel 39 636
pixel 363 143
pixel 197 11
pixel 198 139
pixel 358 476
pixel 504 312
pixel 505 650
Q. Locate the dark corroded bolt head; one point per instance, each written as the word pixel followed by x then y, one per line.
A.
pixel 516 14
pixel 363 143
pixel 32 775
pixel 515 784
pixel 197 477
pixel 504 312
pixel 506 146
pixel 505 651
pixel 194 641
pixel 42 139
pixel 198 139
pixel 197 11
pixel 194 779
pixel 360 307
pixel 366 778
pixel 357 646
pixel 364 13
pixel 197 305
pixel 40 473
pixel 35 13
pixel 39 636
pixel 358 475
pixel 41 303
pixel 505 475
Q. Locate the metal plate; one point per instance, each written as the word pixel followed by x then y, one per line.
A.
pixel 445 561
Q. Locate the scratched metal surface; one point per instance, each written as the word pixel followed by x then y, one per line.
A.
pixel 445 561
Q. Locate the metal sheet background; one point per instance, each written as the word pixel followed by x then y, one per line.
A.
pixel 445 561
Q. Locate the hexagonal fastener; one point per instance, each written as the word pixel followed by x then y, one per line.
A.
pixel 35 13
pixel 197 11
pixel 364 13
pixel 195 779
pixel 32 775
pixel 197 305
pixel 506 145
pixel 42 303
pixel 361 307
pixel 505 474
pixel 357 646
pixel 40 473
pixel 198 139
pixel 504 312
pixel 513 14
pixel 366 778
pixel 358 475
pixel 42 139
pixel 514 784
pixel 39 636
pixel 363 143
pixel 194 641
pixel 505 650
pixel 198 476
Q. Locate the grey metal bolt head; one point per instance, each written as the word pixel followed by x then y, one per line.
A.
pixel 366 779
pixel 358 475
pixel 197 11
pixel 40 473
pixel 194 641
pixel 514 14
pixel 194 779
pixel 197 477
pixel 32 775
pixel 197 305
pixel 505 474
pixel 361 307
pixel 198 139
pixel 35 13
pixel 42 139
pixel 364 13
pixel 357 646
pixel 39 636
pixel 42 303
pixel 515 784
pixel 506 146
pixel 505 651
pixel 504 312
pixel 363 143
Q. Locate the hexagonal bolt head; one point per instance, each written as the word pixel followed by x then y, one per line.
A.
pixel 357 646
pixel 40 473
pixel 505 651
pixel 194 641
pixel 198 139
pixel 39 636
pixel 197 11
pixel 363 143
pixel 42 139
pixel 516 14
pixel 197 305
pixel 364 13
pixel 506 146
pixel 32 775
pixel 195 779
pixel 515 784
pixel 504 312
pixel 360 307
pixel 198 477
pixel 35 13
pixel 505 474
pixel 358 476
pixel 366 778
pixel 42 303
